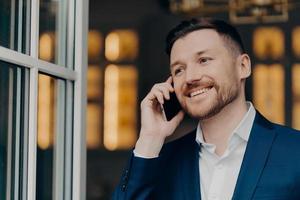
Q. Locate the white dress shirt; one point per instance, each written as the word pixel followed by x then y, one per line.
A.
pixel 218 174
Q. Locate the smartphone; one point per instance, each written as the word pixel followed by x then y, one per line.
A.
pixel 171 107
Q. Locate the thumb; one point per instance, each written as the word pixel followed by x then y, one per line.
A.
pixel 177 119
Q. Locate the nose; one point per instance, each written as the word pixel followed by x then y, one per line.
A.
pixel 192 75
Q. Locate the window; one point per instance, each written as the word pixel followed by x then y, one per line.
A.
pixel 42 99
pixel 276 73
pixel 112 90
pixel 295 78
pixel 296 96
pixel 268 91
pixel 269 73
pixel 13 95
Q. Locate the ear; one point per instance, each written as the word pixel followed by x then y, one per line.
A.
pixel 244 64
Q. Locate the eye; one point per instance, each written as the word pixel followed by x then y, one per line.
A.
pixel 204 60
pixel 178 70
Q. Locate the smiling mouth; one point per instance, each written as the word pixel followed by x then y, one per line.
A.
pixel 198 92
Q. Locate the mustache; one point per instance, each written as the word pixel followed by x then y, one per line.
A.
pixel 195 85
pixel 199 84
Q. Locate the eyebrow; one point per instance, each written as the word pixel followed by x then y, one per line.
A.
pixel 174 64
pixel 199 53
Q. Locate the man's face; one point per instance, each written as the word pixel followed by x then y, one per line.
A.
pixel 205 73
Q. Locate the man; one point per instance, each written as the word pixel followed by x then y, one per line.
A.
pixel 234 153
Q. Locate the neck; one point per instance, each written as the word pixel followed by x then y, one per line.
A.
pixel 217 129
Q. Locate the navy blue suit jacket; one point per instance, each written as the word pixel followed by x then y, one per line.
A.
pixel 270 169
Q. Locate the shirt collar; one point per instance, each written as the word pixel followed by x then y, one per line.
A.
pixel 242 130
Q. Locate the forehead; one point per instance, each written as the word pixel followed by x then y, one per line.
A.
pixel 197 41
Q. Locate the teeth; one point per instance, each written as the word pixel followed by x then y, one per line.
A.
pixel 199 92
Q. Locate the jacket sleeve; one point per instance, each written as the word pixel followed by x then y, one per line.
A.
pixel 139 179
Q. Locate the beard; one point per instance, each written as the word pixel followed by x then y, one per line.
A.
pixel 225 96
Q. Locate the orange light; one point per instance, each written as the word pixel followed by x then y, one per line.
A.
pixel 111 109
pixel 46 112
pixel 93 132
pixel 296 41
pixel 47 46
pixel 296 96
pixel 94 82
pixel 268 91
pixel 268 42
pixel 95 44
pixel 120 91
pixel 121 45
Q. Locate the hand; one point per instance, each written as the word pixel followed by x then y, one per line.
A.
pixel 154 128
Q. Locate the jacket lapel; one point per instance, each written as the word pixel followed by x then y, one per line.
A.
pixel 256 154
pixel 189 171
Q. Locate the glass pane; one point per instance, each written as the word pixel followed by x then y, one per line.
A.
pixel 268 43
pixel 94 112
pixel 296 96
pixel 53 31
pixel 14 25
pixel 268 91
pixel 12 97
pixel 121 45
pixel 296 41
pixel 50 138
pixel 120 106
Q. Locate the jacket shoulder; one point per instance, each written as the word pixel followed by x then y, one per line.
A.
pixel 286 131
pixel 287 141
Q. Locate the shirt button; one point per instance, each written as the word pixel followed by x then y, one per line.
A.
pixel 123 188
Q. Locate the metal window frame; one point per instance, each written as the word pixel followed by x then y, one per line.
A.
pixel 75 76
pixel 59 156
pixel 9 178
pixel 17 138
pixel 79 140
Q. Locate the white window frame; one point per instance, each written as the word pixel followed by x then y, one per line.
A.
pixel 76 73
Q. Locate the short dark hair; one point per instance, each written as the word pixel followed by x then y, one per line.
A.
pixel 229 33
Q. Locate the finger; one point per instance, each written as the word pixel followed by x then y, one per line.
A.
pixel 151 95
pixel 159 96
pixel 158 107
pixel 165 88
pixel 165 91
pixel 169 80
pixel 169 83
pixel 151 103
pixel 168 86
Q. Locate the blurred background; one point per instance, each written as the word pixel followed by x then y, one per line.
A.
pixel 126 57
pixel 126 41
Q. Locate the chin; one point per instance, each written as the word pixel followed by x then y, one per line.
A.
pixel 202 115
pixel 206 113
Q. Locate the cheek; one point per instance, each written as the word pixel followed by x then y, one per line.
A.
pixel 177 84
pixel 178 92
pixel 232 79
pixel 227 75
pixel 227 86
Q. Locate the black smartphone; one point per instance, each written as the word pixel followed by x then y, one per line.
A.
pixel 171 107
